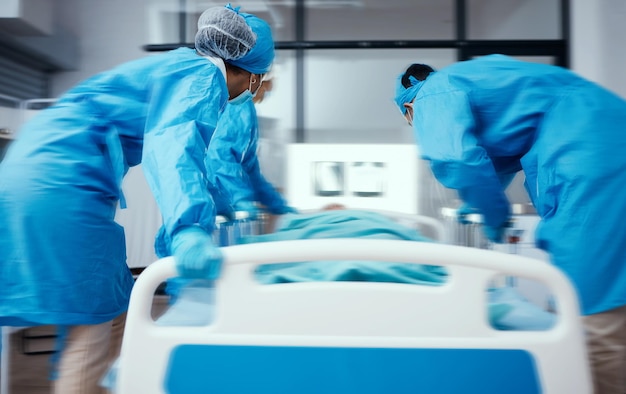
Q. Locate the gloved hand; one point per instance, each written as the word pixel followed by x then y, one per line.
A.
pixel 463 212
pixel 196 255
pixel 495 234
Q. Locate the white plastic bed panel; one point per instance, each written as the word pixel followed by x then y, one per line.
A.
pixel 354 337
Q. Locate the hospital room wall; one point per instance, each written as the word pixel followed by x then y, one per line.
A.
pixel 598 32
pixel 110 32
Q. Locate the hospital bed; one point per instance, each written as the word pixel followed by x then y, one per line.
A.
pixel 354 337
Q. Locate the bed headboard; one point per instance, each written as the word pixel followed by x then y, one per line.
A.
pixel 344 337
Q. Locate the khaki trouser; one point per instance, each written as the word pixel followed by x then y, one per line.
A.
pixel 88 352
pixel 606 344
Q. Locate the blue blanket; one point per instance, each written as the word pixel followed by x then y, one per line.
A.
pixel 508 310
pixel 345 224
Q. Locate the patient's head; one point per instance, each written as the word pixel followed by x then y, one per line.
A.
pixel 333 207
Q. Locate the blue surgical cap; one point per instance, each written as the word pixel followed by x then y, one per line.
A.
pixel 406 95
pixel 260 58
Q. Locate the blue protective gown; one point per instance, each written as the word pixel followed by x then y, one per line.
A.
pixel 233 163
pixel 478 122
pixel 62 256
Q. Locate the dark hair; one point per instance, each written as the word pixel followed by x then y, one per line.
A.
pixel 417 71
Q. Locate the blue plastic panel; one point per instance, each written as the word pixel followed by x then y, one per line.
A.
pixel 315 370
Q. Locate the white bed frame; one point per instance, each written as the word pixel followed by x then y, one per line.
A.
pixel 354 337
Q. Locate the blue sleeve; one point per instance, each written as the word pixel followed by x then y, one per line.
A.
pixel 182 116
pixel 446 129
pixel 226 150
pixel 233 161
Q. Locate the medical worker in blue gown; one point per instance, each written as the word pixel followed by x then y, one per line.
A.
pixel 232 158
pixel 62 255
pixel 233 162
pixel 233 171
pixel 481 121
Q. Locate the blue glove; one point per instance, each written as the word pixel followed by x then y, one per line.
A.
pixel 495 234
pixel 196 255
pixel 463 212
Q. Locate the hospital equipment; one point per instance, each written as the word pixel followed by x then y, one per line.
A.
pixel 361 337
pixel 359 176
pixel 229 232
pixel 518 239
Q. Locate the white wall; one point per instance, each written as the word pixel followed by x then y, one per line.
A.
pixel 597 49
pixel 349 93
pixel 10 118
pixel 110 32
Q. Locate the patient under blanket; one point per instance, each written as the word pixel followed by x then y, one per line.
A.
pixel 345 224
pixel 508 310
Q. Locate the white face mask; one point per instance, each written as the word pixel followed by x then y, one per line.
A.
pixel 257 89
pixel 243 96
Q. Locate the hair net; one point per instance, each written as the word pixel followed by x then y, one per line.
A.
pixel 260 58
pixel 406 95
pixel 223 32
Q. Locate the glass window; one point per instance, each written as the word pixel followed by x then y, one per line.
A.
pixel 277 111
pixel 513 19
pixel 174 21
pixel 348 94
pixel 279 14
pixel 165 24
pixel 277 117
pixel 379 20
